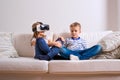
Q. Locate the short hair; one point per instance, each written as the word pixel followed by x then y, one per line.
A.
pixel 75 24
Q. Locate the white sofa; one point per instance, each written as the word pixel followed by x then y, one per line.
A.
pixel 25 67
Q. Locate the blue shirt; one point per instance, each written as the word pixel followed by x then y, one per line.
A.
pixel 75 43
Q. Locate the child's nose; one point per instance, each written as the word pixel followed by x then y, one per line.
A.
pixel 74 32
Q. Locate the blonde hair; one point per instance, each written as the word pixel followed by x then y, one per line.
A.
pixel 35 33
pixel 75 24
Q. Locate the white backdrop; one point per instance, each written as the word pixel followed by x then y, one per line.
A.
pixel 19 15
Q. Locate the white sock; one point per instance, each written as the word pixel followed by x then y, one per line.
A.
pixel 73 57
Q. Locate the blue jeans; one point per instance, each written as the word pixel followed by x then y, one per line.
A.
pixel 42 48
pixel 82 54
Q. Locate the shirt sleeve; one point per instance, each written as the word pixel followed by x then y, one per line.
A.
pixel 65 43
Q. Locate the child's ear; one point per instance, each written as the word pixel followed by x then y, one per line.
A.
pixel 80 31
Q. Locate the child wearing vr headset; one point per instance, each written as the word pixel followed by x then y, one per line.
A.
pixel 44 49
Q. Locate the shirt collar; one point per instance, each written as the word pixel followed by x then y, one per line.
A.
pixel 75 38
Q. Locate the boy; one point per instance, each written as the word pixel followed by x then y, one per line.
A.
pixel 75 47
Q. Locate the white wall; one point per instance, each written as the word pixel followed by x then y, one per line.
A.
pixel 118 14
pixel 19 15
pixel 112 14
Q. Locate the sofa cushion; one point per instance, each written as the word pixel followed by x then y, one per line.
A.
pixel 6 47
pixel 114 54
pixel 84 66
pixel 23 65
pixel 110 41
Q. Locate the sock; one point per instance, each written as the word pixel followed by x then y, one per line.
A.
pixel 73 57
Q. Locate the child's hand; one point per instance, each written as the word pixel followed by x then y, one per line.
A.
pixel 33 42
pixel 57 44
pixel 62 38
pixel 49 42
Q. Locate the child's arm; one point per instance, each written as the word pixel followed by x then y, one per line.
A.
pixel 50 43
pixel 33 41
pixel 84 44
pixel 54 43
pixel 58 43
pixel 62 38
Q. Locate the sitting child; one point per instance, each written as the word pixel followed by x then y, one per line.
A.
pixel 74 47
pixel 44 49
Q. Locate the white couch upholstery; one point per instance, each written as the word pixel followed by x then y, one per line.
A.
pixel 25 67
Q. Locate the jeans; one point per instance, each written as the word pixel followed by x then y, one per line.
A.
pixel 42 48
pixel 82 54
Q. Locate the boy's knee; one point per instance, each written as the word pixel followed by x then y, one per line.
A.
pixel 63 50
pixel 98 47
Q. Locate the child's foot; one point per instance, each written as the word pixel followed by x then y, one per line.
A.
pixel 44 57
pixel 73 57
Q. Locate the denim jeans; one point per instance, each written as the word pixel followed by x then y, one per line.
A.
pixel 82 54
pixel 42 48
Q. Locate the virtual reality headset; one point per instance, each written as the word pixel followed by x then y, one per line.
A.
pixel 42 27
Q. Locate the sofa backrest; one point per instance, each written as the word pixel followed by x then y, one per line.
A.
pixel 22 44
pixel 91 38
pixel 22 41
